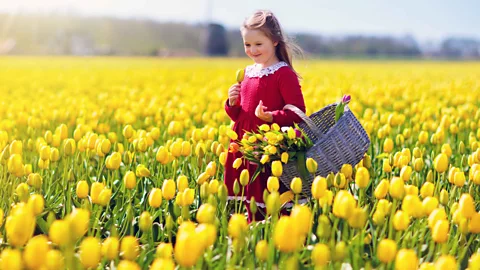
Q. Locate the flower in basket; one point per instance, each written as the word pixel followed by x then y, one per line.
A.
pixel 341 106
pixel 274 145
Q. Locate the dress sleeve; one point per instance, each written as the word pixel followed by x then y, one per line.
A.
pixel 232 111
pixel 292 94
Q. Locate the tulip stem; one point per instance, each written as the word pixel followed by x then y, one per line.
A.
pixel 334 228
pixel 390 221
pixel 464 251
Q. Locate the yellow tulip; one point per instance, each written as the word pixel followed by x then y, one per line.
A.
pixel 244 177
pixel 128 132
pixel 435 216
pixel 441 163
pixel 36 204
pixel 311 165
pixel 145 221
pixel 440 231
pixel 386 250
pixel 412 206
pixel 459 179
pixel 162 264
pixel 286 235
pixel 59 232
pixel 35 252
pixel 320 255
pixel 82 189
pixel 301 215
pixel 90 252
pixel 168 189
pixel 16 147
pixel 187 248
pixel 237 225
pixel 237 163
pixel 347 170
pixel 206 213
pixel 343 204
pixel 110 248
pixel 222 158
pixel 213 186
pixel 427 190
pixel 261 250
pixel 95 190
pixel 11 259
pixel 384 206
pixel 162 155
pixel 128 265
pixel 142 171
pixel 273 184
pixel 446 262
pixel 104 197
pixel 277 168
pixel 382 189
pixel 164 250
pixel 182 182
pixel 54 260
pixel 130 180
pixel 319 187
pixel 406 259
pixel 186 149
pixel 362 177
pixel 296 185
pixel 418 164
pixel 340 251
pixel 188 196
pixel 129 248
pixel 429 204
pixel 386 167
pixel 357 218
pixel 388 145
pixel 211 168
pixel 397 188
pixel 474 224
pixel 474 261
pixel 400 220
pixel 20 225
pixel 466 205
pixel 155 198
pixel 207 235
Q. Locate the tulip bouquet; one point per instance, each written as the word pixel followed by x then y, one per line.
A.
pixel 275 143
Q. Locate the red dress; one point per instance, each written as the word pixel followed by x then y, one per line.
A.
pixel 276 86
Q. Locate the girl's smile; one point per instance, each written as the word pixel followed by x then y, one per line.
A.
pixel 259 47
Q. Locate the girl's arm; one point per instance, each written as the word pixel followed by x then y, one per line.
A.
pixel 292 94
pixel 232 111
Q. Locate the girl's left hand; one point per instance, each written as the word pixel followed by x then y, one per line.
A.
pixel 262 114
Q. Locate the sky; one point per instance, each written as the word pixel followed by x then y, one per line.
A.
pixel 423 19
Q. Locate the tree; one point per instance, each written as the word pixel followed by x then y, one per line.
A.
pixel 216 40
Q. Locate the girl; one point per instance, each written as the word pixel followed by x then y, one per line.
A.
pixel 268 86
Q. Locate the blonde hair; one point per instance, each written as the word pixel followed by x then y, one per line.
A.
pixel 265 21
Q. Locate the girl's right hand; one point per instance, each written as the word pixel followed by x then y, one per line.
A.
pixel 233 94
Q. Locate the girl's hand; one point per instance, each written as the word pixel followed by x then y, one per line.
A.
pixel 262 114
pixel 233 94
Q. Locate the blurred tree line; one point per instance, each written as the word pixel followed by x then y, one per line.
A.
pixel 73 35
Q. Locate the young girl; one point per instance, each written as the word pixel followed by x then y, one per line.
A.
pixel 268 86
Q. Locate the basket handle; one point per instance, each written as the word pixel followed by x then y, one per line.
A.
pixel 305 118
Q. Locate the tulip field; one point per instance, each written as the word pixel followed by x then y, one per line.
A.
pixel 117 163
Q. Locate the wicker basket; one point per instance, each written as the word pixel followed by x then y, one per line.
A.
pixel 334 144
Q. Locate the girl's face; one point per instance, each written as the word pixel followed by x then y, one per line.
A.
pixel 259 47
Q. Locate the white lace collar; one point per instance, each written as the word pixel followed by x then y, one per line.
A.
pixel 254 70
